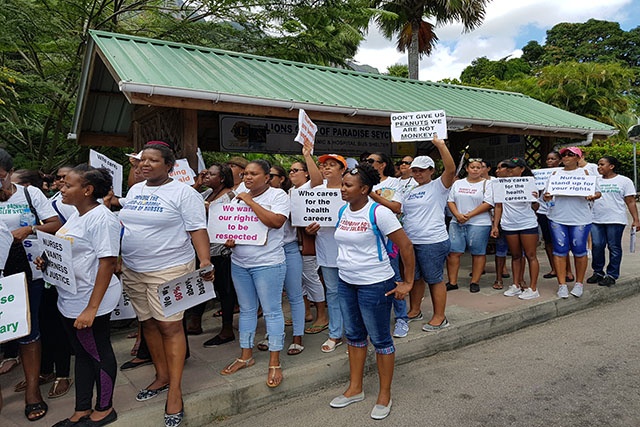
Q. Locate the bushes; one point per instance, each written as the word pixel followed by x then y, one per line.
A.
pixel 622 151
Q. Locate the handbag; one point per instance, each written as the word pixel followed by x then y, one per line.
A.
pixel 307 243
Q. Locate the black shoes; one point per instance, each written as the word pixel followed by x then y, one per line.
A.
pixel 607 281
pixel 596 278
pixel 451 287
pixel 474 287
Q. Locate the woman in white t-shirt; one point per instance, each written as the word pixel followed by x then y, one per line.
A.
pixel 470 200
pixel 423 208
pixel 519 224
pixel 258 271
pixel 14 202
pixel 570 219
pixel 366 284
pixel 610 219
pixel 333 167
pixel 94 234
pixel 164 229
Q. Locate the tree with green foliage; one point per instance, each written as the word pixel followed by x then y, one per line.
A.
pixel 398 70
pixel 409 21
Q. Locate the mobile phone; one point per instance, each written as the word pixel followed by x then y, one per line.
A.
pixel 45 260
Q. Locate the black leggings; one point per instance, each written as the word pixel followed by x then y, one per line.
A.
pixel 95 363
pixel 223 286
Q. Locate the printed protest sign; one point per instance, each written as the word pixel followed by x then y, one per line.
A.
pixel 32 248
pixel 572 185
pixel 124 309
pixel 98 160
pixel 418 126
pixel 315 205
pixel 542 175
pixel 182 172
pixel 515 189
pixel 185 292
pixel 306 129
pixel 235 221
pixel 15 320
pixel 59 271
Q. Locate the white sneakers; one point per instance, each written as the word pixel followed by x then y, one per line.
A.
pixel 529 294
pixel 514 290
pixel 577 290
pixel 563 291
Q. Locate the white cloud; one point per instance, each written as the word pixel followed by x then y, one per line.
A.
pixel 505 22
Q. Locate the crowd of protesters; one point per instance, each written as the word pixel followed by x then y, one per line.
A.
pixel 398 229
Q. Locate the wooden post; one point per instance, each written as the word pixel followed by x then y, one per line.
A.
pixel 190 137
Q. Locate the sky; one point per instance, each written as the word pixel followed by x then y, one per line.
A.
pixel 508 26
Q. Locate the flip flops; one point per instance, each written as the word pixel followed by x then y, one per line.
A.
pixel 60 387
pixel 316 329
pixel 497 285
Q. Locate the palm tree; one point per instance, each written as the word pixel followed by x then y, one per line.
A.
pixel 408 20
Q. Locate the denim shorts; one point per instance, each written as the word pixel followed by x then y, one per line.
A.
pixel 569 237
pixel 430 260
pixel 501 246
pixel 474 237
pixel 366 311
pixel 532 230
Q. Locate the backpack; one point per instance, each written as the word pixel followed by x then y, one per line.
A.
pixel 390 247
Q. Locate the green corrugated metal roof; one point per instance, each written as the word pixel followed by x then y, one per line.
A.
pixel 204 72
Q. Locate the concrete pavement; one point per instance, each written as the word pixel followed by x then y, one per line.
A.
pixel 209 396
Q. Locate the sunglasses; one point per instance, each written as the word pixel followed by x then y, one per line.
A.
pixel 477 159
pixel 403 162
pixel 59 177
pixel 294 170
pixel 372 161
pixel 353 171
pixel 568 154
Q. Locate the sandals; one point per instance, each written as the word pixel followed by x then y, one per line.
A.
pixel 295 349
pixel 271 382
pixel 60 387
pixel 243 364
pixel 330 345
pixel 263 345
pixel 43 379
pixel 8 364
pixel 497 285
pixel 316 329
pixel 35 411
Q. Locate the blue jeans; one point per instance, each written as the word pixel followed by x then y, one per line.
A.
pixel 293 286
pixel 607 235
pixel 569 237
pixel 399 305
pixel 367 311
pixel 260 286
pixel 330 276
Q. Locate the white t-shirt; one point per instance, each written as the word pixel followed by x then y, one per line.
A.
pixel 611 207
pixel 6 238
pixel 570 210
pixel 157 222
pixel 358 261
pixel 247 256
pixel 10 213
pixel 11 209
pixel 469 195
pixel 518 216
pixel 388 188
pixel 63 210
pixel 326 246
pixel 94 235
pixel 423 209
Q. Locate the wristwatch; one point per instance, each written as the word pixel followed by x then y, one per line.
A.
pixel 33 229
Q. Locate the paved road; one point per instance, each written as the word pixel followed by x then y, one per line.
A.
pixel 579 370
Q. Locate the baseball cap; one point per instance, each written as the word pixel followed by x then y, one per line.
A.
pixel 574 150
pixel 423 162
pixel 351 162
pixel 336 157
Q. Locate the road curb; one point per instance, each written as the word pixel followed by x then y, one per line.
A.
pixel 243 395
